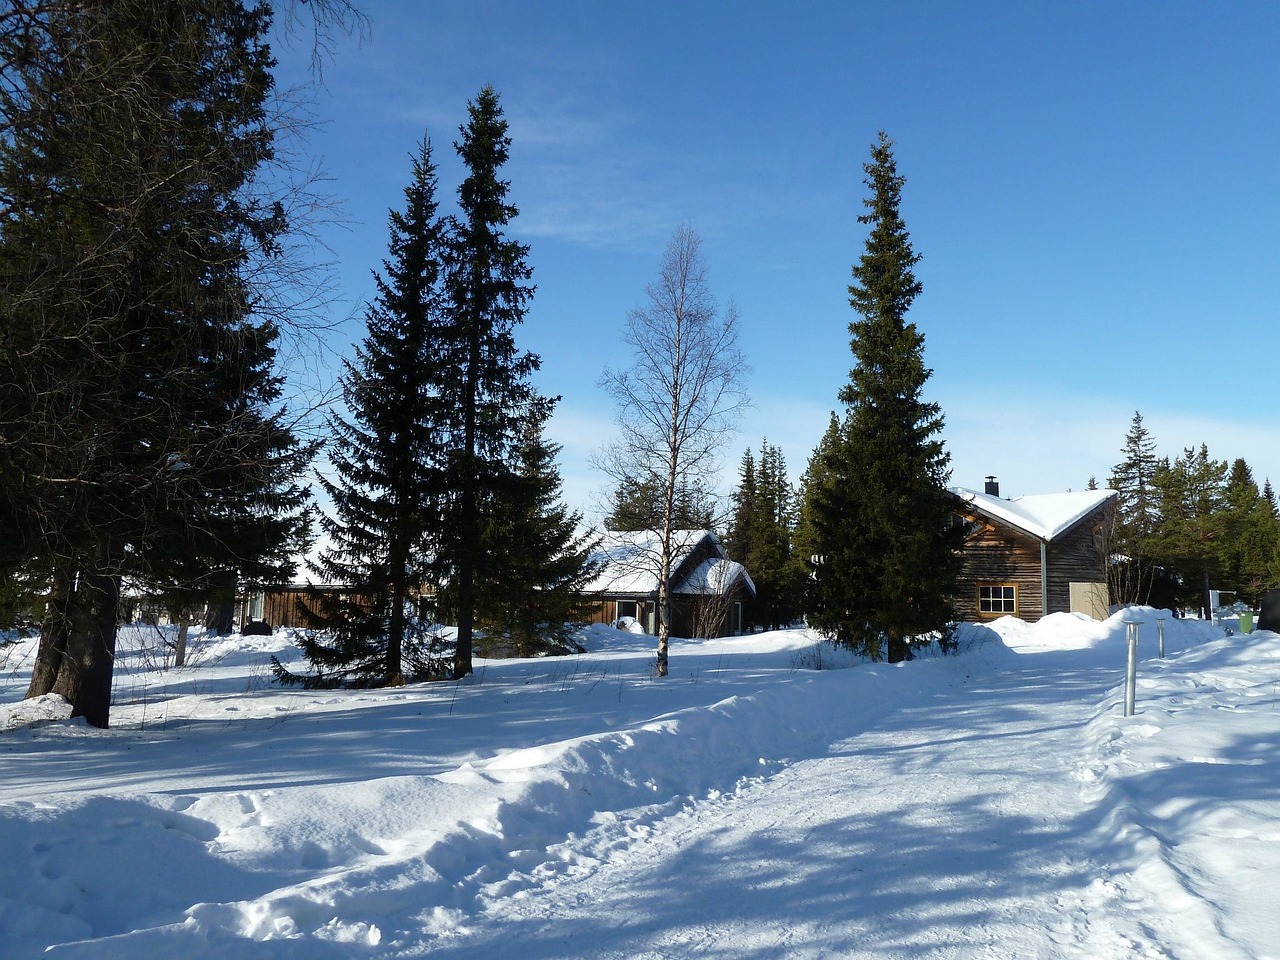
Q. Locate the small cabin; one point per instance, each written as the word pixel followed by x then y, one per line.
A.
pixel 1031 556
pixel 709 592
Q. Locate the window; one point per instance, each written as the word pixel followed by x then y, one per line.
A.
pixel 627 608
pixel 997 598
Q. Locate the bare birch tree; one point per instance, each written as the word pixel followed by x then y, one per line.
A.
pixel 678 398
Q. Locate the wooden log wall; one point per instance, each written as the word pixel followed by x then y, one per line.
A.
pixel 998 555
pixel 1075 557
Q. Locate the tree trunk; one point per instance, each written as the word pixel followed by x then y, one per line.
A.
pixel 664 593
pixel 54 634
pixel 220 617
pixel 899 650
pixel 78 647
pixel 93 652
pixel 180 652
pixel 394 670
pixel 466 602
pixel 468 526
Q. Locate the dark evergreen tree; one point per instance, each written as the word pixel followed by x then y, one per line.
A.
pixel 760 538
pixel 881 521
pixel 140 432
pixel 528 593
pixel 387 456
pixel 489 395
pixel 743 504
pixel 1250 534
pixel 1131 478
pixel 1271 520
pixel 1190 495
pixel 814 483
pixel 779 578
pixel 1132 570
pixel 639 505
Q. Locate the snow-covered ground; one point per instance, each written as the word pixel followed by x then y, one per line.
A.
pixel 993 804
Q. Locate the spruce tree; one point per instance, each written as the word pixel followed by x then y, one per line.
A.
pixel 1250 535
pixel 489 395
pixel 386 454
pixel 1271 524
pixel 814 485
pixel 742 523
pixel 1190 494
pixel 1131 570
pixel 638 505
pixel 528 592
pixel 881 521
pixel 780 587
pixel 141 429
pixel 760 538
pixel 1131 478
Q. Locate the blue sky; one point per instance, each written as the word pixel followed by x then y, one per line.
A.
pixel 1093 188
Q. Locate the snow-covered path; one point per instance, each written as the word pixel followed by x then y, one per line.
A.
pixel 951 826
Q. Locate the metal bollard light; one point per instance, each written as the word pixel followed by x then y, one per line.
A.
pixel 1131 674
pixel 1160 627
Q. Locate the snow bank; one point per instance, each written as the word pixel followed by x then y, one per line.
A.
pixel 1079 632
pixel 37 710
pixel 1186 792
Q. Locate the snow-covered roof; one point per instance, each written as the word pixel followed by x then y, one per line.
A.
pixel 631 561
pixel 1043 516
pixel 715 575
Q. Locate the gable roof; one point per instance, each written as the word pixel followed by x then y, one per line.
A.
pixel 714 576
pixel 1043 516
pixel 630 561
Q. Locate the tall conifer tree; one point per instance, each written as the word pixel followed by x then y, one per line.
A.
pixel 890 557
pixel 1131 569
pixel 1190 495
pixel 140 432
pixel 813 486
pixel 1250 535
pixel 490 394
pixel 387 455
pixel 528 590
pixel 778 576
pixel 761 537
pixel 738 537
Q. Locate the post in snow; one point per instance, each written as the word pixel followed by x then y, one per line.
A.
pixel 1131 674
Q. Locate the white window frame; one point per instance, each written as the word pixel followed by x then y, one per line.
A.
pixel 998 599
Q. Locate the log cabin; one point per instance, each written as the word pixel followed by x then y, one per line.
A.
pixel 1034 555
pixel 709 591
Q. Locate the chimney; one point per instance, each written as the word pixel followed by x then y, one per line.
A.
pixel 992 488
